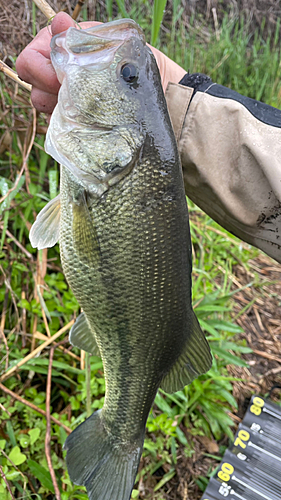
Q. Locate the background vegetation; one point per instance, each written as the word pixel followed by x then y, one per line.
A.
pixel 187 431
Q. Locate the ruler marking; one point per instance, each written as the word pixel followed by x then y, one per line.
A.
pixel 234 478
pixel 272 413
pixel 250 443
pixel 232 492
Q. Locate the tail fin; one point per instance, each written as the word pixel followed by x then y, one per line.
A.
pixel 107 468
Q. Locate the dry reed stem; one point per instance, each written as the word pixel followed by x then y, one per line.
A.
pixel 45 321
pixel 31 405
pixel 45 8
pixel 41 268
pixel 27 149
pixel 13 75
pixel 38 349
pixel 41 336
pixel 48 426
pixel 77 9
pixel 82 362
pixel 23 321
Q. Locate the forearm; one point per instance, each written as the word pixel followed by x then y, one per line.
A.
pixel 230 147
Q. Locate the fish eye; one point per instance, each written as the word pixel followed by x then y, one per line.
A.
pixel 129 73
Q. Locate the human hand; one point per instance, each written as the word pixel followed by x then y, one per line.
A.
pixel 34 64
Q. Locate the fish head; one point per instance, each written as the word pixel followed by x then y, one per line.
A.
pixel 98 126
pixel 101 66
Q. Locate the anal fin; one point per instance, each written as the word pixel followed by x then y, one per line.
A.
pixel 45 230
pixel 82 337
pixel 195 360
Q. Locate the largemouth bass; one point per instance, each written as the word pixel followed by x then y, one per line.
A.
pixel 122 223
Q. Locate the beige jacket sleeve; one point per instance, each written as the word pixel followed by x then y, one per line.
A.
pixel 231 159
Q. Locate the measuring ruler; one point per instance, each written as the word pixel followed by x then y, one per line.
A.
pixel 264 417
pixel 251 466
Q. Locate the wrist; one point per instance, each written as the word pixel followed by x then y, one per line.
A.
pixel 169 70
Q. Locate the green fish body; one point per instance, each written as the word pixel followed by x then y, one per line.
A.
pixel 122 223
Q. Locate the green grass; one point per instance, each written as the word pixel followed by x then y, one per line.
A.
pixel 239 59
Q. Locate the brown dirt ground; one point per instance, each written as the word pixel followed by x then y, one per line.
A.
pixel 261 320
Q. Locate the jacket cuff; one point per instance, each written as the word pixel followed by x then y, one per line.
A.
pixel 178 98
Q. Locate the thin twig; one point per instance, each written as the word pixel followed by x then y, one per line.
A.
pixel 45 8
pixel 48 426
pixel 31 405
pixel 14 186
pixel 234 417
pixel 13 75
pixel 27 150
pixel 14 465
pixel 8 233
pixel 41 336
pixel 267 355
pixel 8 285
pixel 273 371
pixel 2 326
pixel 35 351
pixel 6 482
pixel 4 409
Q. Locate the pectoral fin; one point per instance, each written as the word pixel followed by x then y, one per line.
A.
pixel 195 360
pixel 45 230
pixel 85 239
pixel 82 337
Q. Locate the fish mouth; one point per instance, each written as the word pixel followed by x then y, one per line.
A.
pixel 93 46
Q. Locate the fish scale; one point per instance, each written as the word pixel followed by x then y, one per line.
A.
pixel 124 243
pixel 133 263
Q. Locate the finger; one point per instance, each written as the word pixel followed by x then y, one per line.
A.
pixel 34 65
pixel 34 68
pixel 62 22
pixel 43 101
